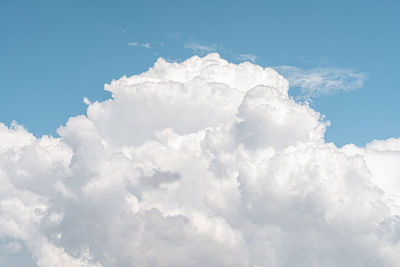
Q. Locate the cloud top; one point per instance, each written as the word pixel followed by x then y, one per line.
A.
pixel 199 163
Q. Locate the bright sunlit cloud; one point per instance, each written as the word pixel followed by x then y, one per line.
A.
pixel 199 163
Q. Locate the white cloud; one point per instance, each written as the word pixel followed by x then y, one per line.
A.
pixel 200 48
pixel 322 81
pixel 136 44
pixel 199 163
pixel 146 45
pixel 247 57
pixel 133 44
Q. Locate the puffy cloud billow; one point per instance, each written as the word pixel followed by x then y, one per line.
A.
pixel 199 163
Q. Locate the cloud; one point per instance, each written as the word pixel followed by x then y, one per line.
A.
pixel 322 81
pixel 146 45
pixel 198 163
pixel 136 44
pixel 133 44
pixel 247 57
pixel 200 48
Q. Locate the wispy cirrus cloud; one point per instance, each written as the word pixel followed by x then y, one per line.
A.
pixel 137 44
pixel 200 48
pixel 322 81
pixel 247 57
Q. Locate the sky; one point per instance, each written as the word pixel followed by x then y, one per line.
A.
pixel 55 53
pixel 225 133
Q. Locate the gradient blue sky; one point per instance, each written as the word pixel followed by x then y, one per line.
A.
pixel 53 53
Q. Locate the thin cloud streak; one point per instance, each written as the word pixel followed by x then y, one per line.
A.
pixel 200 48
pixel 247 57
pixel 136 44
pixel 322 81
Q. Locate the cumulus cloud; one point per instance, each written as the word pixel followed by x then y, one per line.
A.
pixel 199 163
pixel 322 81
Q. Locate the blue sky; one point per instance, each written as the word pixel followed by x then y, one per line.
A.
pixel 53 53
